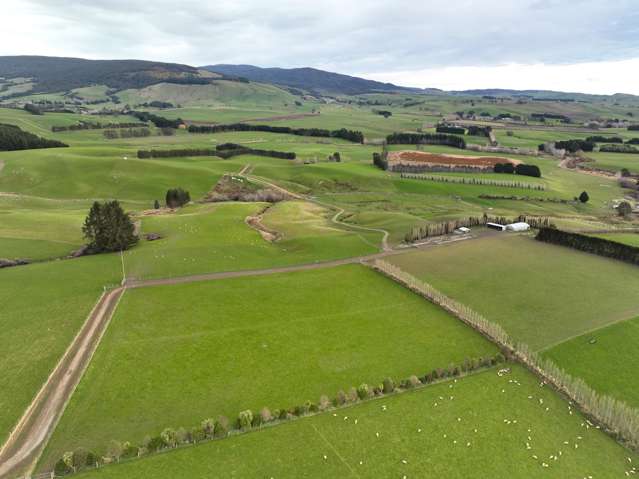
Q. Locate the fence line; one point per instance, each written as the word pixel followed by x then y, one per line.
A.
pixel 614 416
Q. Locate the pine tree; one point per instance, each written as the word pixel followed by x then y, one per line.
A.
pixel 108 228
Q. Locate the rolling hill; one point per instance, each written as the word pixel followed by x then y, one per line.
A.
pixel 53 74
pixel 310 79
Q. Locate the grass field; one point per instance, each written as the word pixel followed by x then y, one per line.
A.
pixel 251 342
pixel 466 435
pixel 631 239
pixel 43 307
pixel 215 237
pixel 606 359
pixel 541 294
pixel 616 161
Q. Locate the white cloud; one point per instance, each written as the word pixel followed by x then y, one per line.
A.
pixel 381 37
pixel 592 77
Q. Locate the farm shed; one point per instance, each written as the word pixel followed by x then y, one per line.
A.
pixel 520 226
pixel 495 226
pixel 462 230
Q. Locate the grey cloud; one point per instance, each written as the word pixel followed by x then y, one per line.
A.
pixel 356 36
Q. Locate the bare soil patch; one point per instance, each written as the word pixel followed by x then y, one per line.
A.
pixel 409 157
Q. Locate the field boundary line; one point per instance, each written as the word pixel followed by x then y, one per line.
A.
pixel 589 331
pixel 335 451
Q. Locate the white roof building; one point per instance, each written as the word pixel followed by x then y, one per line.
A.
pixel 521 226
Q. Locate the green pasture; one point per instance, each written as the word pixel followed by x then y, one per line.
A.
pixel 605 358
pixel 174 355
pixel 541 294
pixel 615 161
pixel 215 237
pixel 43 307
pixel 631 239
pixel 480 426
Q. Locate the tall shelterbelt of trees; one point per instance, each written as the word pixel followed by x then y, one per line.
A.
pixel 13 138
pixel 225 150
pixel 590 244
pixel 157 120
pixel 343 133
pixel 426 139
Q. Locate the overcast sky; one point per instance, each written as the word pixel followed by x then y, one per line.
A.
pixel 576 45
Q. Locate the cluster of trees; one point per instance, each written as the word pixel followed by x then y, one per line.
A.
pixel 604 139
pixel 590 244
pixel 473 181
pixel 13 138
pixel 31 108
pixel 247 420
pixel 433 168
pixel 157 104
pixel 177 197
pixel 127 133
pixel 574 146
pixel 523 198
pixel 343 133
pixel 448 227
pixel 453 130
pixel 633 141
pixel 550 116
pixel 85 125
pixel 479 130
pixel 157 120
pixel 618 149
pixel 335 157
pixel 426 139
pixel 108 228
pixel 384 113
pixel 520 169
pixel 225 150
pixel 380 161
pixel 633 128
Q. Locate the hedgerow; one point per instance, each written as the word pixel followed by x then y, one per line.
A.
pixel 343 133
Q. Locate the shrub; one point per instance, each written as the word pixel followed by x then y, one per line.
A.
pixel 363 391
pixel 208 427
pixel 61 468
pixel 169 437
pixel 624 209
pixel 183 436
pixel 414 381
pixel 324 402
pixel 129 450
pixel 155 444
pixel 583 197
pixel 266 415
pixel 197 434
pixel 156 205
pixel 341 398
pixel 177 197
pixel 283 414
pixel 115 450
pixel 221 426
pixel 388 386
pixel 352 395
pixel 245 419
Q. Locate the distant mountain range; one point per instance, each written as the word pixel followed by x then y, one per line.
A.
pixel 53 74
pixel 309 79
pixel 57 74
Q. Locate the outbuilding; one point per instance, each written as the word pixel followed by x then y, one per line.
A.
pixel 520 226
pixel 462 230
pixel 495 226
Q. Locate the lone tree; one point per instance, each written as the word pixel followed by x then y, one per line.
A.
pixel 583 197
pixel 177 197
pixel 108 228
